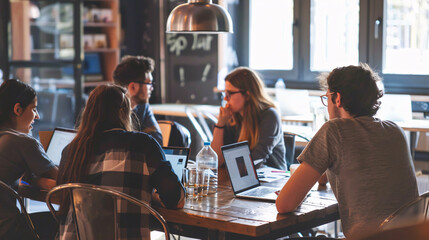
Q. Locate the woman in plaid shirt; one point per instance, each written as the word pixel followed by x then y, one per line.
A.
pixel 106 152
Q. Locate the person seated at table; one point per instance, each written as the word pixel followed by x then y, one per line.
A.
pixel 250 115
pixel 135 74
pixel 106 152
pixel 21 153
pixel 367 160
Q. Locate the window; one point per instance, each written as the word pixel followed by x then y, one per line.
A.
pixel 334 34
pixel 298 39
pixel 277 52
pixel 406 45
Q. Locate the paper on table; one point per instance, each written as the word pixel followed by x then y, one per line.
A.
pixel 257 161
pixel 269 174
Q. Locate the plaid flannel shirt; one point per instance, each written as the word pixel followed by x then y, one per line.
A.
pixel 133 163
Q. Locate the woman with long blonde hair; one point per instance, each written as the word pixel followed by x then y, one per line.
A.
pixel 250 115
pixel 106 152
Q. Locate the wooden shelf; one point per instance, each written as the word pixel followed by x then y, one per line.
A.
pixel 22 29
pixel 95 50
pixel 43 51
pixel 50 24
pixel 102 50
pixel 101 24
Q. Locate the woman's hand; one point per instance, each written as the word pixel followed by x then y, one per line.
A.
pixel 225 114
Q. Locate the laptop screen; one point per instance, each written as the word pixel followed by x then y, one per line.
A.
pixel 178 158
pixel 60 139
pixel 240 166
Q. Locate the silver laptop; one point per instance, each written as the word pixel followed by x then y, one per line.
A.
pixel 242 173
pixel 178 158
pixel 59 140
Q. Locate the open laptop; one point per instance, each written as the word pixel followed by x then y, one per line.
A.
pixel 178 158
pixel 242 173
pixel 60 139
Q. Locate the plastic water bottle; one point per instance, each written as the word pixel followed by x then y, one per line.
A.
pixel 280 84
pixel 207 159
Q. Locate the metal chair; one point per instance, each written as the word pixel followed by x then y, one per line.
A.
pixel 289 140
pixel 412 213
pixel 201 125
pixel 24 212
pixel 90 204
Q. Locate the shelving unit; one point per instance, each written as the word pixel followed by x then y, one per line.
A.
pixel 32 49
pixel 109 55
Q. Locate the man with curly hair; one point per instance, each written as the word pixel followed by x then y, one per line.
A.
pixel 367 160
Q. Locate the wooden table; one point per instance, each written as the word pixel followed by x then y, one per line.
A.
pixel 222 216
pixel 305 119
pixel 414 126
pixel 179 110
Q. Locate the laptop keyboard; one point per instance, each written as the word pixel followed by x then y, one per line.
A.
pixel 259 191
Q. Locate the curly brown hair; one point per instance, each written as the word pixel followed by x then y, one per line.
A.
pixel 132 68
pixel 357 86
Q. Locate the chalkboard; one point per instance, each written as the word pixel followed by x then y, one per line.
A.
pixel 191 65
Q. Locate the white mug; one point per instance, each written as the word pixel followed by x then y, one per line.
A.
pixel 293 167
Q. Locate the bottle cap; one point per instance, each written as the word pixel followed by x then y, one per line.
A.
pixel 206 143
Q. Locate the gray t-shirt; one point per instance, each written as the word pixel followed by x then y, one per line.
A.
pixel 19 153
pixel 270 147
pixel 369 167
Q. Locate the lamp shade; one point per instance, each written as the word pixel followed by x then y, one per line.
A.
pixel 200 16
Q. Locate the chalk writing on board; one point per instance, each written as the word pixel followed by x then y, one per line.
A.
pixel 182 76
pixel 176 43
pixel 202 42
pixel 206 72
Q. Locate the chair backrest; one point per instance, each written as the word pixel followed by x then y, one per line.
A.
pixel 201 125
pixel 94 209
pixel 289 140
pixel 174 134
pixel 165 127
pixel 412 213
pixel 24 213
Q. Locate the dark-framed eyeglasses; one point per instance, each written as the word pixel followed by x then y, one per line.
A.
pixel 150 84
pixel 227 94
pixel 324 98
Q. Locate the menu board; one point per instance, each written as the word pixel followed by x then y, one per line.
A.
pixel 191 65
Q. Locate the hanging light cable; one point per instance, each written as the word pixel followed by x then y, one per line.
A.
pixel 200 16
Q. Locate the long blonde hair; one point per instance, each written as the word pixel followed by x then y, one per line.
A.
pixel 107 107
pixel 248 81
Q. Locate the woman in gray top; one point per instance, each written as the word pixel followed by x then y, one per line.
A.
pixel 250 115
pixel 20 153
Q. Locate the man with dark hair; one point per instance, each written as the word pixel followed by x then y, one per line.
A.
pixel 367 160
pixel 135 74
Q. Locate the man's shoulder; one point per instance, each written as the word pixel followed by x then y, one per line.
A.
pixel 364 120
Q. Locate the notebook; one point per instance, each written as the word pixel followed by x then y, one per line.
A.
pixel 60 139
pixel 178 158
pixel 242 173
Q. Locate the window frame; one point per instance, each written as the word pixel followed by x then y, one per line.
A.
pixel 370 50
